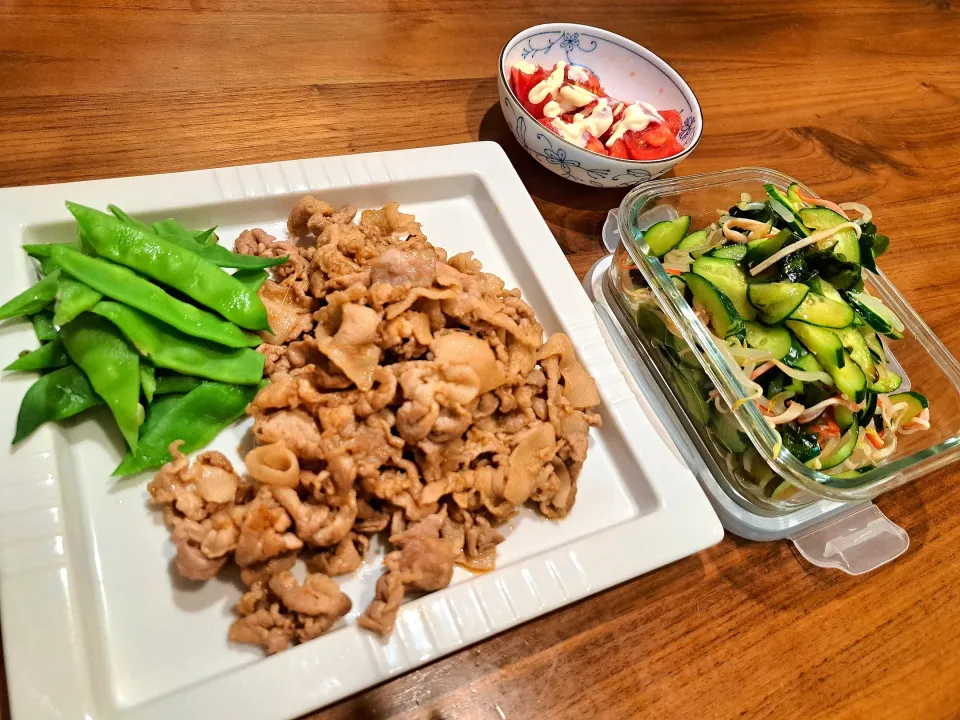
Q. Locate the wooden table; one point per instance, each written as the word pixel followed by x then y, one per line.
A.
pixel 861 102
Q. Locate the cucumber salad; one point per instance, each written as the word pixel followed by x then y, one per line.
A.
pixel 778 283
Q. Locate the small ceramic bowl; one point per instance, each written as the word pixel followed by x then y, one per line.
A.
pixel 627 71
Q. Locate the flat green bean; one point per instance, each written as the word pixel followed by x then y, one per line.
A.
pixel 253 279
pixel 148 381
pixel 43 325
pixel 217 254
pixel 73 298
pixel 32 300
pixel 55 396
pixel 174 266
pixel 168 348
pixel 47 356
pixel 117 282
pixel 111 366
pixel 196 418
pixel 167 384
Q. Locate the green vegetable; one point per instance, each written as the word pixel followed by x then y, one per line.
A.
pixel 148 381
pixel 802 446
pixel 55 396
pixel 694 241
pixel 111 366
pixel 665 236
pixel 823 312
pixel 253 279
pixel 724 319
pixel 916 404
pixel 73 298
pixel 43 326
pixel 729 279
pixel 775 340
pixel 122 216
pixel 168 348
pixel 206 237
pixel 169 263
pixel 33 299
pixel 47 356
pixel 878 316
pixel 217 254
pixel 167 384
pixel 844 451
pixel 196 418
pixel 729 252
pixel 775 301
pixel 759 250
pixel 40 250
pixel 119 283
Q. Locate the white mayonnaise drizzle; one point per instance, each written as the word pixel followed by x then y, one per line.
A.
pixel 635 117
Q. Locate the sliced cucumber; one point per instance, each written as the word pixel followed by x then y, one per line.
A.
pixel 730 252
pixel 850 379
pixel 793 197
pixel 822 287
pixel 854 344
pixel 727 432
pixel 778 198
pixel 729 279
pixel 759 250
pixel 796 352
pixel 694 241
pixel 865 416
pixel 823 343
pixel 916 404
pixel 847 245
pixel 776 340
pixel 665 236
pixel 784 491
pixel 690 396
pixel 844 451
pixel 781 382
pixel 878 316
pixel 808 363
pixel 888 382
pixel 873 341
pixel 844 417
pixel 724 318
pixel 775 301
pixel 803 446
pixel 650 323
pixel 822 312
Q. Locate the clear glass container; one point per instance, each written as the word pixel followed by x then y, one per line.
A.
pixel 679 348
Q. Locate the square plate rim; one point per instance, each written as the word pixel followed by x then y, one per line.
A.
pixel 580 568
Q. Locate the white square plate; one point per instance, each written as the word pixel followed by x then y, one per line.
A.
pixel 95 623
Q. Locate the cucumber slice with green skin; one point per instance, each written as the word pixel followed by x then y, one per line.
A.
pixel 775 301
pixel 724 318
pixel 916 404
pixel 847 243
pixel 844 417
pixel 823 343
pixel 843 452
pixel 888 382
pixel 854 343
pixel 730 252
pixel 651 324
pixel 851 474
pixel 850 379
pixel 808 363
pixel 682 350
pixel 756 251
pixel 874 343
pixel 793 197
pixel 665 236
pixel 865 416
pixel 694 241
pixel 729 279
pixel 822 312
pixel 796 352
pixel 877 315
pixel 784 491
pixel 822 287
pixel 803 446
pixel 727 432
pixel 759 471
pixel 780 382
pixel 776 340
pixel 778 198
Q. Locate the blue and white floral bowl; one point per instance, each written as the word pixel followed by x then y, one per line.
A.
pixel 627 71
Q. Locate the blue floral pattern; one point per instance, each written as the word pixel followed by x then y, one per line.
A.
pixel 686 130
pixel 568 42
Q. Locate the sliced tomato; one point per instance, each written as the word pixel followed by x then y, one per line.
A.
pixel 656 134
pixel 590 82
pixel 567 117
pixel 619 149
pixel 674 121
pixel 594 144
pixel 523 83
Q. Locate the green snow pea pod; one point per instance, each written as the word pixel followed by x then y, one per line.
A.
pixel 57 395
pixel 196 418
pixel 121 215
pixel 253 279
pixel 73 298
pixel 167 384
pixel 168 348
pixel 32 300
pixel 43 325
pixel 47 356
pixel 119 283
pixel 40 250
pixel 148 381
pixel 217 254
pixel 111 366
pixel 173 265
pixel 206 237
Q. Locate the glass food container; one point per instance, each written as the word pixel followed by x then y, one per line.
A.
pixel 769 492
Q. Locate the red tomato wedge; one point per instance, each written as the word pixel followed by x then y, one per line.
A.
pixel 591 82
pixel 594 144
pixel 619 149
pixel 674 121
pixel 639 149
pixel 523 83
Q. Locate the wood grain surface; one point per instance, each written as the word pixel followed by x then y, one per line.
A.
pixel 861 100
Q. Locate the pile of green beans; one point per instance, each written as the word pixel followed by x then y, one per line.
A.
pixel 167 367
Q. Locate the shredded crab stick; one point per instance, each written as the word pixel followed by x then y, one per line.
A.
pixel 811 200
pixel 757 229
